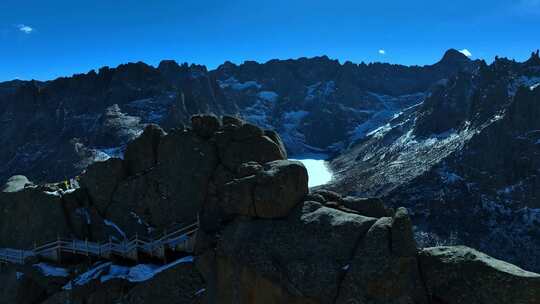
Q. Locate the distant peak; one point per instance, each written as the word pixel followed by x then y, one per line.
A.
pixel 168 64
pixel 453 55
pixel 534 60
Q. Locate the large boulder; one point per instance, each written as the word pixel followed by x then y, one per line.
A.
pixel 27 284
pixel 241 144
pixel 239 284
pixel 367 206
pixel 15 289
pixel 236 197
pixel 269 191
pixel 205 125
pixel 166 179
pixel 258 149
pixel 402 237
pixel 172 191
pixel 175 283
pixel 142 153
pixel 301 257
pixel 459 275
pixel 377 274
pixel 181 284
pixel 92 293
pixel 273 135
pixel 100 181
pixel 29 216
pixel 280 187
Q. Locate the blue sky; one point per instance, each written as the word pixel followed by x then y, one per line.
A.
pixel 47 39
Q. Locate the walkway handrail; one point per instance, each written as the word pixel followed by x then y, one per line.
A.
pixel 86 247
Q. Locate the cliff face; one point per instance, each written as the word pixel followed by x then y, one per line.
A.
pixel 320 104
pixel 165 179
pixel 263 238
pixel 465 162
pixel 53 130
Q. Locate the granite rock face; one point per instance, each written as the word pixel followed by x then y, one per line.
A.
pixel 164 179
pixel 465 162
pixel 324 252
pixel 463 275
pixel 29 216
pixel 263 237
pixel 53 130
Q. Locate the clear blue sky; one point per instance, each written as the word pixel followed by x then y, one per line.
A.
pixel 46 39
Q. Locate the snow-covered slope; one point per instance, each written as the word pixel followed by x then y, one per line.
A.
pixel 466 162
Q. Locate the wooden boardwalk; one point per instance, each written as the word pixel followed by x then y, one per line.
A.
pixel 182 239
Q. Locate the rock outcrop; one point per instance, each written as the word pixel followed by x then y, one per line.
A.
pixel 30 215
pixel 263 238
pixel 325 252
pixel 463 275
pixel 465 162
pixel 211 169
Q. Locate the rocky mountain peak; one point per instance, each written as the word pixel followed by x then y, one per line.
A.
pixel 534 60
pixel 453 56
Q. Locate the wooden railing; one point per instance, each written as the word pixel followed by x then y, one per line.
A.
pixel 181 239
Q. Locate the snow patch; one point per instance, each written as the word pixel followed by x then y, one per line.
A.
pixel 51 271
pixel 115 227
pixel 317 167
pixel 138 273
pixel 290 122
pixel 113 152
pixel 391 107
pixel 88 276
pixel 510 189
pixel 236 85
pixel 294 117
pixel 448 177
pixel 200 291
pixel 268 96
pixel 523 81
pixel 57 193
pixel 319 90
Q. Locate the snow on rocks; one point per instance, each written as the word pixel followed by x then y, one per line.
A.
pixel 523 81
pixel 268 96
pixel 51 271
pixel 135 274
pixel 234 84
pixel 115 227
pixel 88 276
pixel 319 90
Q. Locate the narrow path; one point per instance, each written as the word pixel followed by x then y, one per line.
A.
pixel 182 239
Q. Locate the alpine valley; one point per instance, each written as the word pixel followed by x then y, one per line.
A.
pixel 457 143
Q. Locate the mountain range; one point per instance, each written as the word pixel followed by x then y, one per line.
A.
pixel 456 142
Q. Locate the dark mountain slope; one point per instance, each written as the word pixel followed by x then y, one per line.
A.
pixel 466 161
pixel 320 104
pixel 53 130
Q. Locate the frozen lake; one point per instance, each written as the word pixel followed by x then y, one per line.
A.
pixel 318 171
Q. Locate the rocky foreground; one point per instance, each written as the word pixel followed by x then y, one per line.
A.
pixel 263 236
